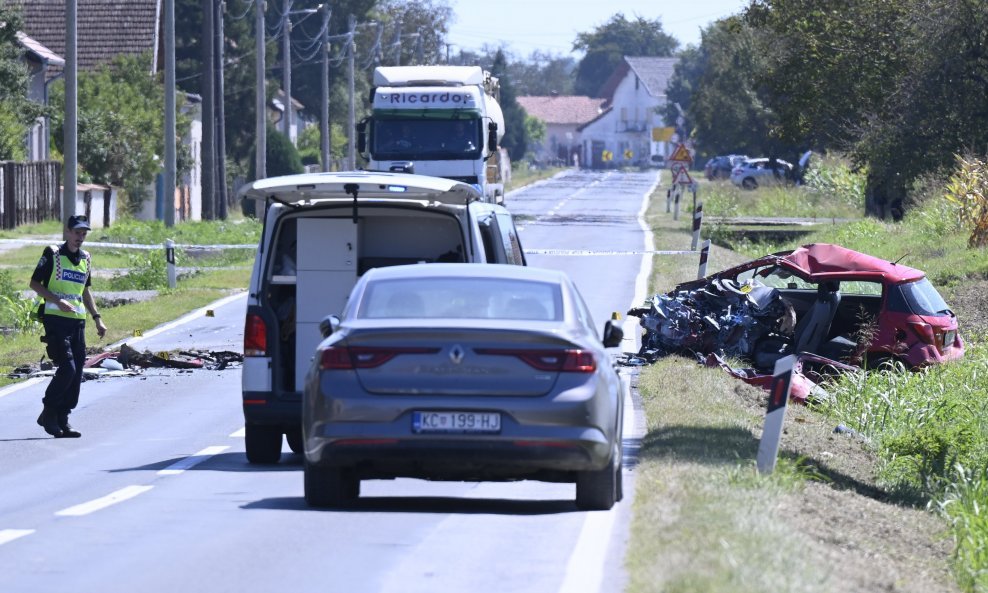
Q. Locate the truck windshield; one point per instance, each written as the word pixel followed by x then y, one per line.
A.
pixel 433 139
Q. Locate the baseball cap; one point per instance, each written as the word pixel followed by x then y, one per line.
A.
pixel 79 222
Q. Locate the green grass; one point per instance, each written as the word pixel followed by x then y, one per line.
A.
pixel 929 429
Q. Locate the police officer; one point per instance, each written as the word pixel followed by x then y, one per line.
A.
pixel 62 279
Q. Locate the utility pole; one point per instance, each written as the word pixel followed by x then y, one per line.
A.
pixel 70 131
pixel 286 68
pixel 324 114
pixel 220 113
pixel 351 121
pixel 397 44
pixel 170 166
pixel 208 113
pixel 260 95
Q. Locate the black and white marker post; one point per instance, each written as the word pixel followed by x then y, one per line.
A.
pixel 768 448
pixel 704 255
pixel 697 221
pixel 170 261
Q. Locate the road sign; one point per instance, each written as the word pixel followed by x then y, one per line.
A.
pixel 682 155
pixel 682 177
pixel 662 134
pixel 628 154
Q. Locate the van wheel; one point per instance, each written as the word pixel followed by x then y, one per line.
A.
pixel 294 438
pixel 330 486
pixel 263 443
pixel 599 490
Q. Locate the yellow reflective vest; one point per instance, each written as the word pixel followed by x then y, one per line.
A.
pixel 68 281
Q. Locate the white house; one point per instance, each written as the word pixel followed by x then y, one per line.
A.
pixel 38 58
pixel 563 115
pixel 622 133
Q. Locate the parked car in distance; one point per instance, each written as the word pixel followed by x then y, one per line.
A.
pixel 463 372
pixel 751 173
pixel 322 231
pixel 720 167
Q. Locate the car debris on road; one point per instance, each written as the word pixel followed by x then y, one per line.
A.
pixel 128 361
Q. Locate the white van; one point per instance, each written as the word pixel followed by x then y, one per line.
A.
pixel 321 232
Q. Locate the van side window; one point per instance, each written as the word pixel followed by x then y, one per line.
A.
pixel 487 233
pixel 283 258
pixel 509 238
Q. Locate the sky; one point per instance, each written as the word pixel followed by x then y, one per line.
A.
pixel 551 26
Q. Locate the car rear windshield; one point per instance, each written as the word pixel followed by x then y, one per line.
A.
pixel 463 298
pixel 918 298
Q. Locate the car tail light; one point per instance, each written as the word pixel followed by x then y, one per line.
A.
pixel 364 357
pixel 572 361
pixel 924 331
pixel 255 336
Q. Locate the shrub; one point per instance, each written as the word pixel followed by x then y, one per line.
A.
pixel 968 188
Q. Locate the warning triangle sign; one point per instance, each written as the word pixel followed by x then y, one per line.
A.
pixel 683 177
pixel 681 154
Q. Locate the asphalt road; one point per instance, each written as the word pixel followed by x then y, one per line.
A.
pixel 157 495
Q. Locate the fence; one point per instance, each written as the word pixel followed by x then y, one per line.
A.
pixel 29 192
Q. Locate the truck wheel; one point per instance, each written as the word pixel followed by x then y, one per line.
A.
pixel 263 443
pixel 599 490
pixel 294 438
pixel 329 486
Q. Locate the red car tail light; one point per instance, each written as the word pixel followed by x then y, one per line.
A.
pixel 364 357
pixel 924 331
pixel 573 361
pixel 255 336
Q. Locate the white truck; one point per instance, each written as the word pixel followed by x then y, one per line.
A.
pixel 443 121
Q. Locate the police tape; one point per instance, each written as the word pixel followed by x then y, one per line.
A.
pixel 606 252
pixel 92 244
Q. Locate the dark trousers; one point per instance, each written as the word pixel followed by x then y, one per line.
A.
pixel 67 349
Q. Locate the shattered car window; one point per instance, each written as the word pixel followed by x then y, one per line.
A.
pixel 918 298
pixel 781 278
pixel 861 287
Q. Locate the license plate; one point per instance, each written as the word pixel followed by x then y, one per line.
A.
pixel 948 339
pixel 460 422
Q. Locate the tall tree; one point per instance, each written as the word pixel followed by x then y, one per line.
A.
pixel 606 46
pixel 515 134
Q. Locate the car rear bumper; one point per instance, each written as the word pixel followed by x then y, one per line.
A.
pixel 268 408
pixel 512 454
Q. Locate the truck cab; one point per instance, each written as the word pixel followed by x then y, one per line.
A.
pixel 442 121
pixel 322 231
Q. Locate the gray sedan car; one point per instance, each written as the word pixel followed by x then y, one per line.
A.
pixel 463 372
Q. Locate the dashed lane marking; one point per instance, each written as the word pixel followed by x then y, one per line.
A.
pixel 113 498
pixel 9 535
pixel 192 460
pixel 240 433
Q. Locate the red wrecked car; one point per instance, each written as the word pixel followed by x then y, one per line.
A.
pixel 823 300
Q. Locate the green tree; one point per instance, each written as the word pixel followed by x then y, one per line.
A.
pixel 515 134
pixel 542 74
pixel 717 84
pixel 535 130
pixel 606 46
pixel 282 157
pixel 120 123
pixel 310 144
pixel 17 113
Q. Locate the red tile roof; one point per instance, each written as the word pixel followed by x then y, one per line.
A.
pixel 105 28
pixel 562 109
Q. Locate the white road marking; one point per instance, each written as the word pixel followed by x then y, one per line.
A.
pixel 9 535
pixel 197 314
pixel 585 570
pixel 192 460
pixel 18 386
pixel 101 503
pixel 240 433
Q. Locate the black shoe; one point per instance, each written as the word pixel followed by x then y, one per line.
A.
pixel 67 430
pixel 49 422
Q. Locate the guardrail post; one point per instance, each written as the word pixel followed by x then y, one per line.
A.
pixel 170 260
pixel 697 221
pixel 704 252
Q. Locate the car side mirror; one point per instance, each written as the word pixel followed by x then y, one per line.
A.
pixel 613 335
pixel 492 137
pixel 328 325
